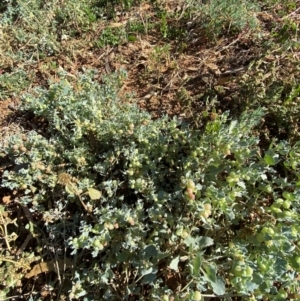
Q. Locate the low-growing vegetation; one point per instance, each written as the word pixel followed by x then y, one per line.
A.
pixel 151 151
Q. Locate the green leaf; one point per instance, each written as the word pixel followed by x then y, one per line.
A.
pixel 149 251
pixel 94 194
pixel 190 241
pixel 215 281
pixel 241 184
pixel 287 246
pixel 232 125
pixel 198 242
pixel 131 38
pixel 196 265
pixel 218 286
pixel 174 264
pixel 150 277
pixel 288 196
pixel 71 189
pixel 279 266
pixel 269 160
pixel 107 275
pixel 251 286
pixel 147 271
pixel 210 273
pixel 123 256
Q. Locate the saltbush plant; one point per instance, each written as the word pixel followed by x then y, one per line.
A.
pixel 143 209
pixel 225 17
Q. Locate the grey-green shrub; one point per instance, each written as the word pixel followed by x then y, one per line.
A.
pixel 152 208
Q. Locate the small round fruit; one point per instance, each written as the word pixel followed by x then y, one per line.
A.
pixel 41 167
pixel 238 271
pixel 189 191
pixel 227 152
pixel 268 230
pixel 23 187
pixel 131 221
pixel 190 184
pixel 192 196
pixel 184 234
pixel 268 189
pixel 130 172
pixel 194 154
pixel 97 244
pixel 197 296
pixel 297 259
pixel 262 267
pixel 279 201
pixel 287 195
pixel 248 271
pixel 286 204
pixel 275 209
pixel 282 294
pixel 165 298
pixel 207 206
pixel 206 213
pixel 287 214
pixel 269 243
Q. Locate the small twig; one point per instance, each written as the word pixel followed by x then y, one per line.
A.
pixel 24 245
pixel 233 71
pixel 27 213
pixel 187 285
pixel 209 295
pixel 169 83
pixel 4 231
pixel 292 13
pixel 17 297
pixel 58 270
pixel 230 44
pixel 83 204
pixel 184 8
pixel 117 294
pixel 144 24
pixel 16 263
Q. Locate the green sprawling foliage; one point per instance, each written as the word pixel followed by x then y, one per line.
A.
pixel 133 202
